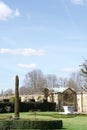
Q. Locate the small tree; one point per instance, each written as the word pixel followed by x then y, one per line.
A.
pixel 46 93
pixel 16 107
pixel 84 74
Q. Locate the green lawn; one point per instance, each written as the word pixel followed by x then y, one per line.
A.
pixel 76 123
pixel 70 122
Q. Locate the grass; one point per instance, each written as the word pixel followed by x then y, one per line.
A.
pixel 76 123
pixel 70 122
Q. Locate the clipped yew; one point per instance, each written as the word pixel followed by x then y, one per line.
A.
pixel 16 105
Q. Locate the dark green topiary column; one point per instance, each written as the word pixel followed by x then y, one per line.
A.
pixel 46 93
pixel 16 106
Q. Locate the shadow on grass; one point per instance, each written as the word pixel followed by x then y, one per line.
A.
pixel 39 129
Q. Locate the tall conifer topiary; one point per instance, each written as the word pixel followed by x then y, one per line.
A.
pixel 16 107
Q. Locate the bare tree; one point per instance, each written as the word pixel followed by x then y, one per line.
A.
pixel 8 92
pixel 72 84
pixel 51 81
pixel 83 73
pixel 62 82
pixel 2 93
pixel 79 79
pixel 35 81
pixel 25 90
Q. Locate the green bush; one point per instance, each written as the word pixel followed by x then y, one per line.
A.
pixel 35 106
pixel 4 106
pixel 20 124
pixel 35 124
pixel 4 125
pixel 44 125
pixel 12 99
pixel 25 107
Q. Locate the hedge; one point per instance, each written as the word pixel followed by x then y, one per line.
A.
pixel 6 107
pixel 27 124
pixel 35 106
pixel 27 106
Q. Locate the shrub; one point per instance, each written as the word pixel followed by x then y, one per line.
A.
pixel 6 107
pixel 4 125
pixel 34 124
pixel 20 124
pixel 44 125
pixel 25 107
pixel 35 106
pixel 12 99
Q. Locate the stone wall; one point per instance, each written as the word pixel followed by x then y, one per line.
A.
pixel 82 102
pixel 79 104
pixel 37 97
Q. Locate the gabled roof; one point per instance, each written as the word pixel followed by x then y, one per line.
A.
pixel 61 89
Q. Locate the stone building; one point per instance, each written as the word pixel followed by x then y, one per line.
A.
pixel 64 97
pixel 70 98
pixel 82 102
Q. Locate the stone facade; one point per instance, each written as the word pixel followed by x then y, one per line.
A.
pixel 82 102
pixel 37 97
pixel 64 97
pixel 68 97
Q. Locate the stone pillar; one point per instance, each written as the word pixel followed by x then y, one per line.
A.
pixel 79 103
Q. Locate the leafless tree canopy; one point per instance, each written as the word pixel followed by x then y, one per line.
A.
pixel 52 81
pixel 35 81
pixel 83 73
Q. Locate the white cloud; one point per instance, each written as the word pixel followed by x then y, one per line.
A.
pixel 24 51
pixel 68 69
pixel 6 12
pixel 27 65
pixel 81 2
pixel 17 13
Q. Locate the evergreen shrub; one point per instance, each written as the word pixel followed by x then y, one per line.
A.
pixel 34 124
pixel 27 106
pixel 12 99
pixel 35 106
pixel 4 106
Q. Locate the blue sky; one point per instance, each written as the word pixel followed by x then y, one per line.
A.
pixel 50 35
